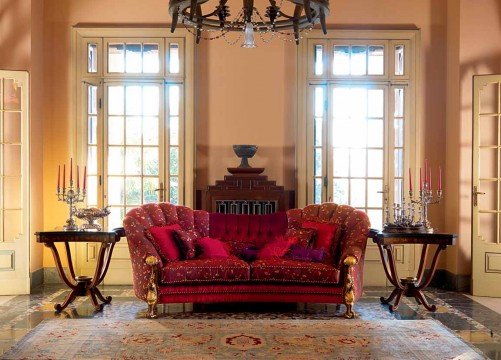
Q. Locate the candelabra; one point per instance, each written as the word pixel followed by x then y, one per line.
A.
pixel 404 214
pixel 71 196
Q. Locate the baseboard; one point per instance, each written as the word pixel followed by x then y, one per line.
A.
pixel 51 276
pixel 446 280
pixel 37 278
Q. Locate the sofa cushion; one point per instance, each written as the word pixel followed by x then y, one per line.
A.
pixel 162 237
pixel 287 270
pixel 205 270
pixel 241 231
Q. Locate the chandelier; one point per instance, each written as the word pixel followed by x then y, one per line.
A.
pixel 275 22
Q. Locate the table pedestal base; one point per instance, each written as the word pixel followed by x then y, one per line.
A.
pixel 411 286
pixel 409 289
pixel 83 288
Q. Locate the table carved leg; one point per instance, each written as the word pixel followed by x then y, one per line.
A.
pixel 83 285
pixel 411 286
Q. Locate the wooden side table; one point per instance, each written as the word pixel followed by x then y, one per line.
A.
pixel 81 285
pixel 411 286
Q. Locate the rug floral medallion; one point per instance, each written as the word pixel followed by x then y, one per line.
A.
pixel 240 339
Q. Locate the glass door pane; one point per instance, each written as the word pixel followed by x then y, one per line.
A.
pixel 357 148
pixel 133 146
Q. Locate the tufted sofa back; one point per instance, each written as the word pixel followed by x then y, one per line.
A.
pixel 244 230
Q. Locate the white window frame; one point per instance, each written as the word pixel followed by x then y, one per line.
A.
pixel 307 77
pixel 185 77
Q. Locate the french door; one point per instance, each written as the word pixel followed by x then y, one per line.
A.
pixel 138 141
pixel 486 186
pixel 14 183
pixel 359 134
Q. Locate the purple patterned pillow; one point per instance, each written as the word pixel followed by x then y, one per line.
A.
pixel 249 254
pixel 301 253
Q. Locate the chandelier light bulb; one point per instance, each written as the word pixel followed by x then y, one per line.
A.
pixel 249 42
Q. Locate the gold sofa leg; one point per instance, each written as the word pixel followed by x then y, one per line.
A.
pixel 152 296
pixel 349 287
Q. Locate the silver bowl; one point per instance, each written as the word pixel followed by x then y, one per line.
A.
pixel 245 152
pixel 91 215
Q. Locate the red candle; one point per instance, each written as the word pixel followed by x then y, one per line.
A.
pixel 78 177
pixel 420 179
pixel 429 179
pixel 58 177
pixel 85 177
pixel 410 180
pixel 426 171
pixel 64 177
pixel 71 171
pixel 439 178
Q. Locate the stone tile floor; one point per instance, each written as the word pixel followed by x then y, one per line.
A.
pixel 472 321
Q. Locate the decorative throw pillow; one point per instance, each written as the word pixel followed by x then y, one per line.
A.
pixel 212 248
pixel 249 254
pixel 186 240
pixel 326 236
pixel 301 253
pixel 305 236
pixel 274 250
pixel 162 238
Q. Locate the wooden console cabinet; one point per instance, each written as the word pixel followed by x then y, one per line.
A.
pixel 245 193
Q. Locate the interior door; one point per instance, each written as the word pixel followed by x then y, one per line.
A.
pixel 14 191
pixel 486 182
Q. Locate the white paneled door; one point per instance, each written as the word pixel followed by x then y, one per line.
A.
pixel 14 195
pixel 486 186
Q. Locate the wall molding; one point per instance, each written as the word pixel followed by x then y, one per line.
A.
pixel 444 279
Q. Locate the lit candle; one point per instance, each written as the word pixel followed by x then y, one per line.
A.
pixel 58 177
pixel 410 180
pixel 64 177
pixel 439 178
pixel 85 177
pixel 429 178
pixel 71 171
pixel 78 177
pixel 420 179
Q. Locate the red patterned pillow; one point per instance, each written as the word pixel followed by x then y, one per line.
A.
pixel 305 236
pixel 326 236
pixel 212 248
pixel 186 240
pixel 162 238
pixel 275 250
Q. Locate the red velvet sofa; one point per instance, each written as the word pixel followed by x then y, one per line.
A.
pixel 233 279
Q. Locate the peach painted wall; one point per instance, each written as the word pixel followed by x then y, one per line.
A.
pixel 477 20
pixel 243 96
pixel 21 49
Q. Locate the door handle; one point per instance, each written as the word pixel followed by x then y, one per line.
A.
pixel 475 195
pixel 161 192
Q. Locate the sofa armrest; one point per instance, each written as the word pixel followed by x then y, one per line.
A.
pixel 357 227
pixel 140 249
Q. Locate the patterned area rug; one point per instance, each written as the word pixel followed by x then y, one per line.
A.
pixel 240 339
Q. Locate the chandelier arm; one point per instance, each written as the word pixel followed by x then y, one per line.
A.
pixel 175 16
pixel 307 9
pixel 322 21
pixel 193 6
